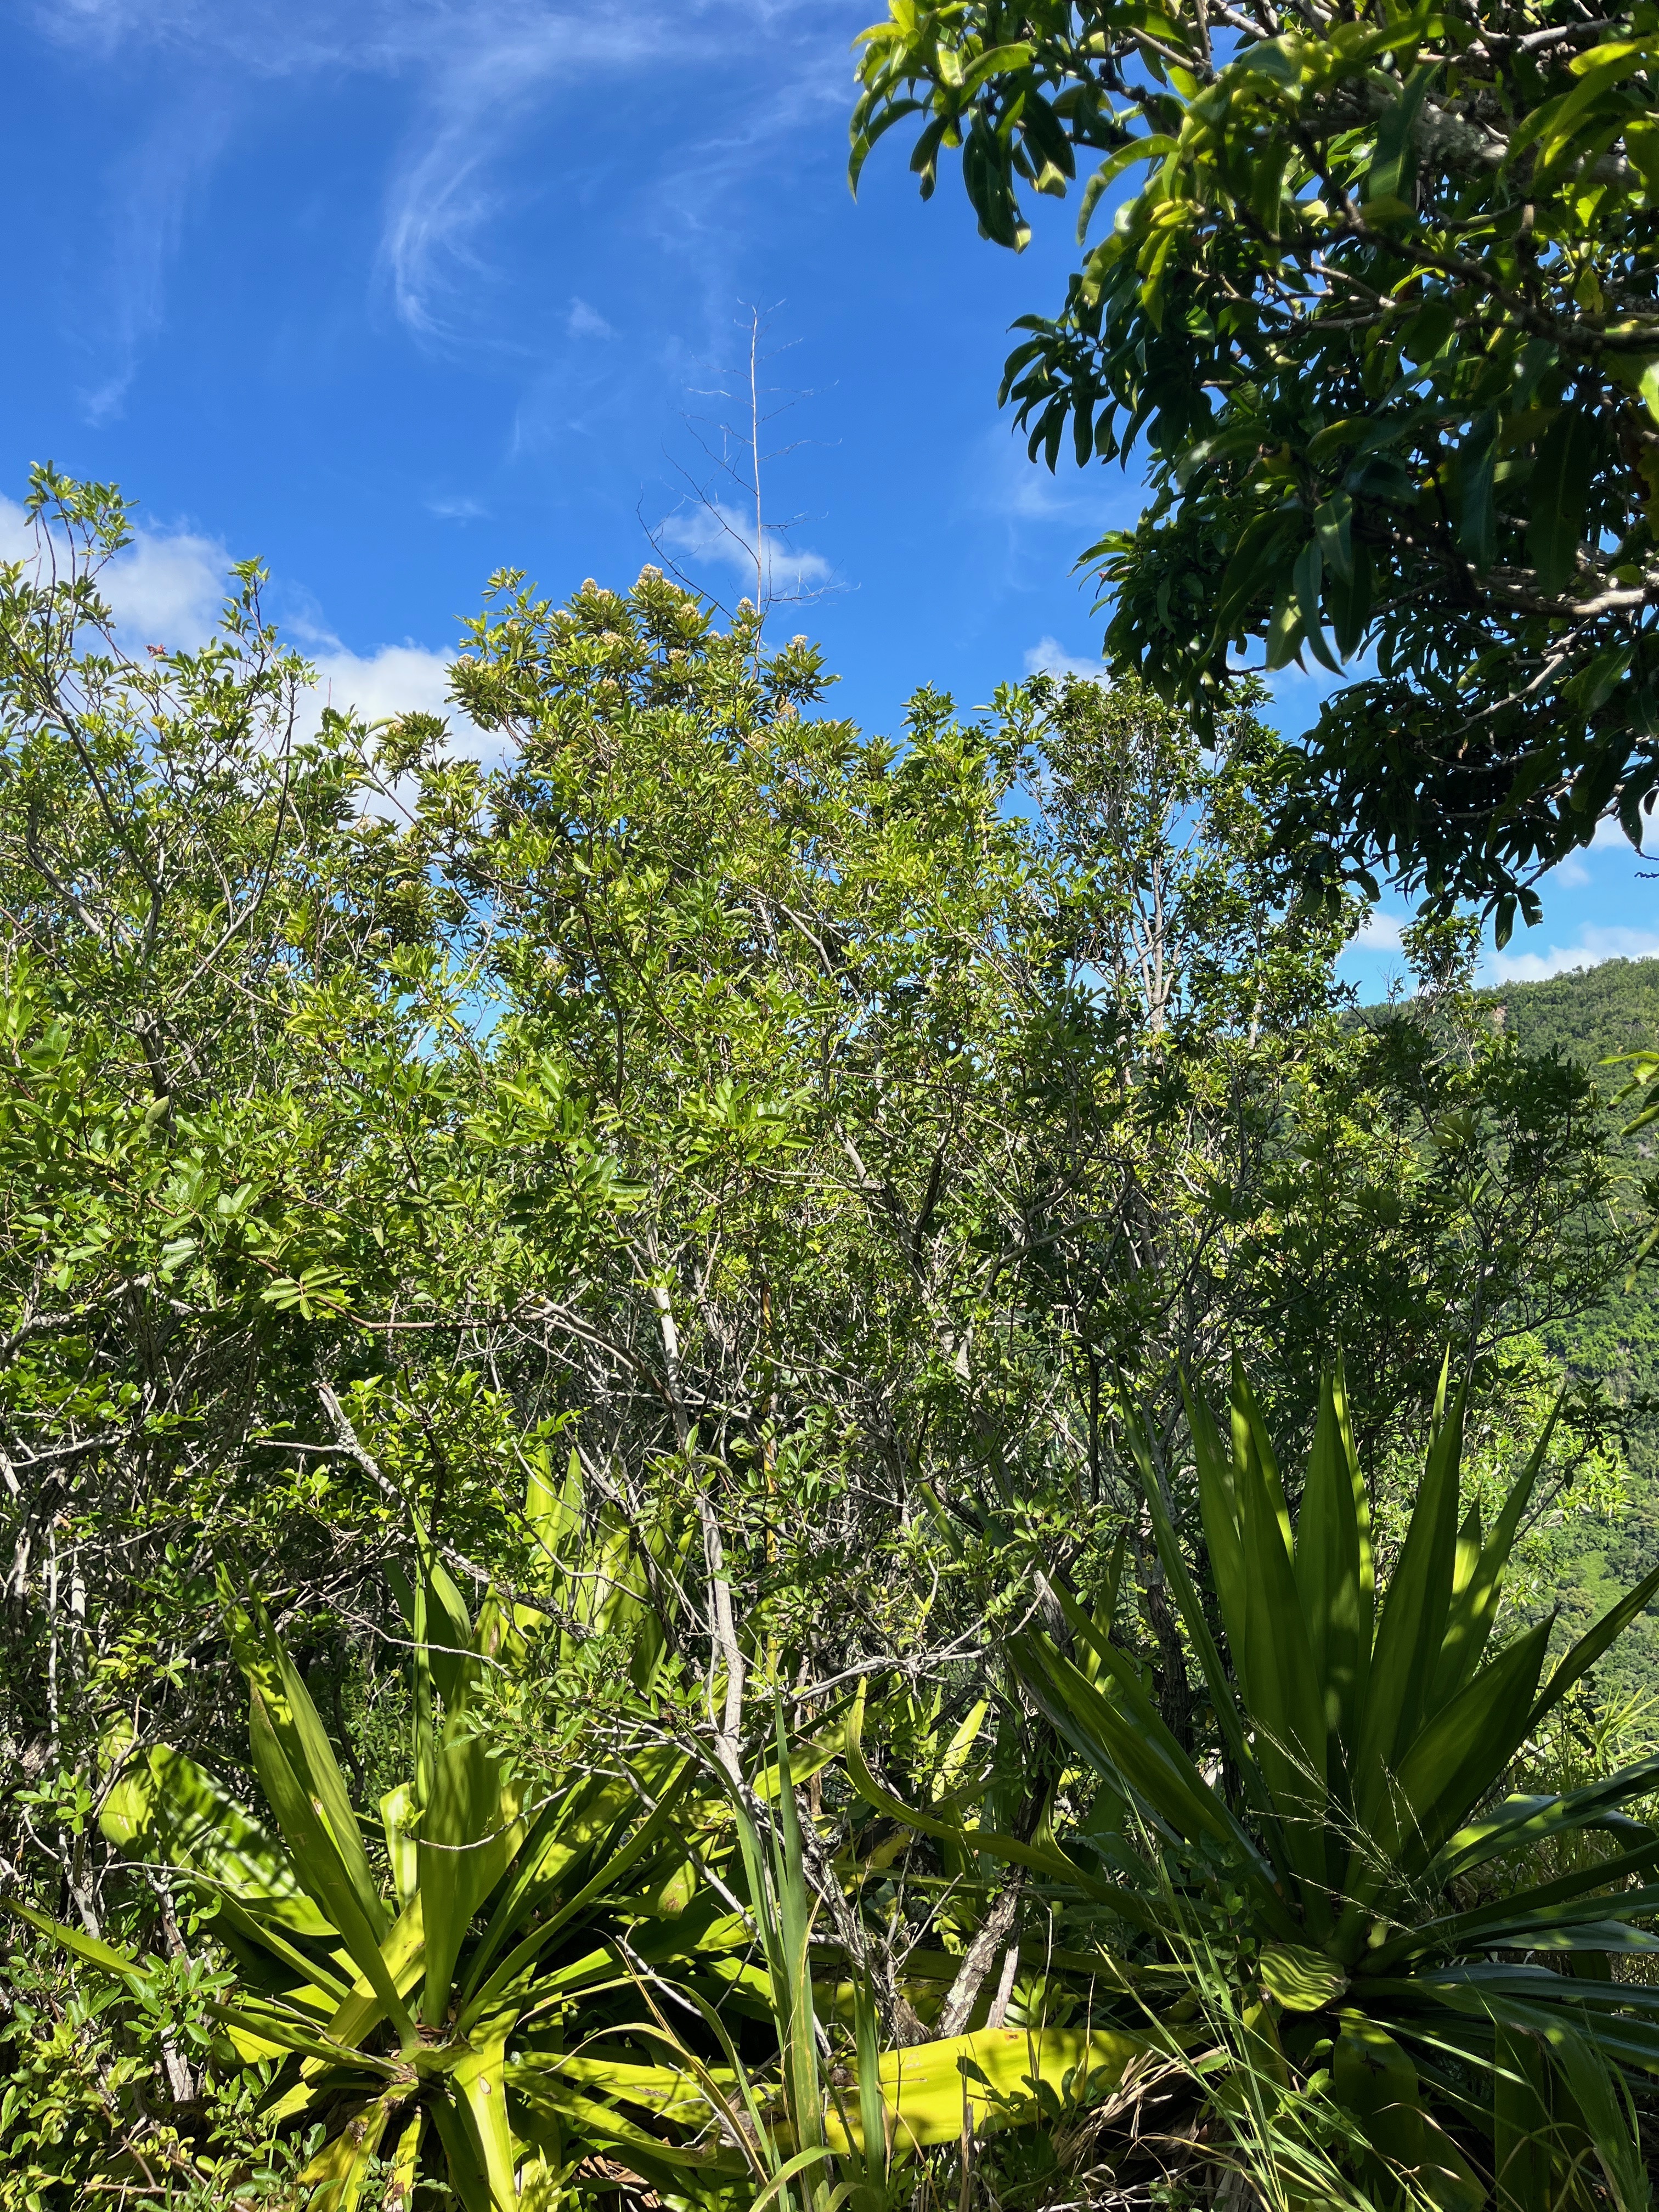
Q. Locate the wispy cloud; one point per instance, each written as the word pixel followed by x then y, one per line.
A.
pixel 149 195
pixel 496 69
pixel 586 322
pixel 1379 932
pixel 480 73
pixel 711 533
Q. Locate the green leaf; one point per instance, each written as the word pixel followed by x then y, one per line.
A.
pixel 1287 1695
pixel 1392 164
pixel 1153 147
pixel 1333 1570
pixel 1558 498
pixel 1299 1979
pixel 320 1866
pixel 468 1836
pixel 1474 1607
pixel 1223 1702
pixel 1519 1823
pixel 1334 528
pixel 1577 1663
pixel 290 1722
pixel 1125 1739
pixel 1412 1625
pixel 1460 1753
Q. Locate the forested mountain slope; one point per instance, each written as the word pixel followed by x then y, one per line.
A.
pixel 1591 1016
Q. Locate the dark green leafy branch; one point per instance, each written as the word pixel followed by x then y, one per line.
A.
pixel 1384 308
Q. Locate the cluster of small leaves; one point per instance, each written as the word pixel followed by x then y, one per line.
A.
pixel 1385 311
pixel 111 2090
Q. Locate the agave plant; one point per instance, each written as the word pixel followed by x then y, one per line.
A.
pixel 496 1995
pixel 1404 1929
pixel 462 2015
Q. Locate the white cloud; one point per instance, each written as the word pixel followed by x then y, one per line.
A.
pixel 1018 489
pixel 1594 944
pixel 456 510
pixel 478 72
pixel 710 531
pixel 586 322
pixel 1049 657
pixel 167 588
pixel 483 78
pixel 1379 932
pixel 394 679
pixel 16 539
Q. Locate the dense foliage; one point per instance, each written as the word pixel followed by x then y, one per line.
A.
pixel 804 1144
pixel 1383 310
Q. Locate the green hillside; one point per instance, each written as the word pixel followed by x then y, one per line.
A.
pixel 1610 1009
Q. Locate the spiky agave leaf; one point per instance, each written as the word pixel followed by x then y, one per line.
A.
pixel 1367 1728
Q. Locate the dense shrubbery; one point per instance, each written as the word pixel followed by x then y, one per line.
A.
pixel 806 1148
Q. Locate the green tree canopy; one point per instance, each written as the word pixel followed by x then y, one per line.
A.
pixel 1383 313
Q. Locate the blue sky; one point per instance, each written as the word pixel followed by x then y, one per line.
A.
pixel 394 293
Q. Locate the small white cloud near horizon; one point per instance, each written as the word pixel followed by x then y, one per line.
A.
pixel 586 322
pixel 1595 944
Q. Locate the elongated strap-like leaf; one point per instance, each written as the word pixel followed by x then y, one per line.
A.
pixel 1474 1607
pixel 341 2167
pixel 1582 2045
pixel 1411 1626
pixel 670 2091
pixel 1190 1606
pixel 404 1954
pixel 293 1722
pixel 1522 1822
pixel 1129 1741
pixel 232 1918
pixel 995 2076
pixel 1574 1664
pixel 644 1839
pixel 290 2031
pixel 467 2177
pixel 1218 1509
pixel 1286 1694
pixel 174 1810
pixel 469 1830
pixel 666 2164
pixel 1251 1442
pixel 792 1999
pixel 125 1965
pixel 445 1634
pixel 1542 1932
pixel 1572 1890
pixel 1453 1763
pixel 1471 1984
pixel 481 2090
pixel 558 1837
pixel 1050 1860
pixel 319 1868
pixel 1331 1574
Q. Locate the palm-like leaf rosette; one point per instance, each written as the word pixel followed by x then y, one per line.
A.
pixel 1418 1951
